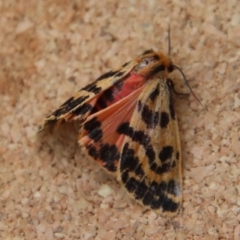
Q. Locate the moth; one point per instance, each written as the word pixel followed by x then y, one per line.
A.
pixel 129 126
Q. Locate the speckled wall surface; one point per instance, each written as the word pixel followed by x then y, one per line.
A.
pixel 48 50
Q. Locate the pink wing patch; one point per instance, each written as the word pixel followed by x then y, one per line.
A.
pixel 99 132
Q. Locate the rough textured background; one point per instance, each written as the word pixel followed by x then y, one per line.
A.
pixel 48 50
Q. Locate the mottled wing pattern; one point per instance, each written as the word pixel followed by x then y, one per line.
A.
pixel 150 165
pixel 79 106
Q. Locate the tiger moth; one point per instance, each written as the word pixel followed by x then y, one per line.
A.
pixel 129 126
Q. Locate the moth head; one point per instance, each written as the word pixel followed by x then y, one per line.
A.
pixel 151 63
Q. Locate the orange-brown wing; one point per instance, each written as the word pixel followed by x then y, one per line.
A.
pixel 150 161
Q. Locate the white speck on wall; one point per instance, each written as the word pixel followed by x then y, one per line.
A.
pixel 105 191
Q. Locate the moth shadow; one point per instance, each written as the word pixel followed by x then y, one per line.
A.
pixel 57 143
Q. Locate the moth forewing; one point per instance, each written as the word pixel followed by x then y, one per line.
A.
pixel 80 105
pixel 150 160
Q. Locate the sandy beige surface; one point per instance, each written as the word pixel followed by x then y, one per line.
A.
pixel 48 50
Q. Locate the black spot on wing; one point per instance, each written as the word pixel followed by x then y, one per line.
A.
pixel 159 188
pixel 57 113
pixel 166 167
pixel 110 74
pixel 69 101
pixel 129 162
pixel 92 88
pixel 131 184
pixel 141 137
pixel 108 153
pixel 119 74
pixel 137 136
pixel 161 200
pixel 82 109
pixel 126 157
pixel 123 128
pixel 92 151
pixel 124 176
pixel 93 127
pixel 148 198
pixel 166 153
pixel 154 93
pixel 125 64
pixel 70 104
pixel 92 124
pixel 150 154
pixel 150 117
pixel 172 188
pixel 153 166
pixel 119 85
pixel 94 110
pixel 155 191
pixel 108 95
pixel 107 75
pixel 157 202
pixel 96 134
pixel 164 119
pixel 111 166
pixel 101 103
pixel 141 190
pixel 167 204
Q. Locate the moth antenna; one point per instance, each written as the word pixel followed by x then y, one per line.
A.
pixel 169 40
pixel 186 82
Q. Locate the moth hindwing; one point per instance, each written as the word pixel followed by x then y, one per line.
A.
pixel 129 126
